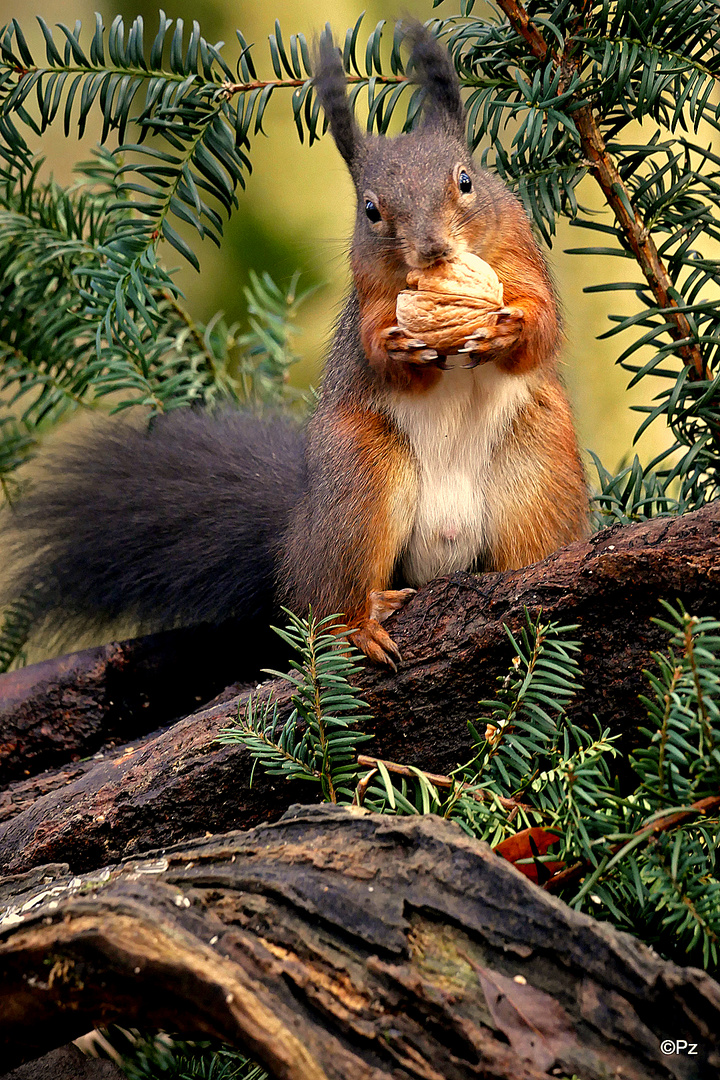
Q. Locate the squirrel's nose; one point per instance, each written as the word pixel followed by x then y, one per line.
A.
pixel 432 250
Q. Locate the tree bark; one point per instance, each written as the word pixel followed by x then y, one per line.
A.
pixel 73 706
pixel 335 945
pixel 66 1063
pixel 180 783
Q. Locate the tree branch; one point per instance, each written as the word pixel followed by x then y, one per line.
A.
pixel 229 88
pixel 519 19
pixel 636 235
pixel 73 706
pixel 180 782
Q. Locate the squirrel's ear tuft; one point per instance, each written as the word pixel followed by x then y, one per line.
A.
pixel 330 86
pixel 430 66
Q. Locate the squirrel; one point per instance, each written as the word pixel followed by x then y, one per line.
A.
pixel 409 469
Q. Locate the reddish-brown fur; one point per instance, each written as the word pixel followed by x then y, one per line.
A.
pixel 408 471
pixel 376 443
pixel 356 522
pixel 541 477
pixel 378 299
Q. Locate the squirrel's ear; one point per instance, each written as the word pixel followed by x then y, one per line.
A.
pixel 330 86
pixel 430 66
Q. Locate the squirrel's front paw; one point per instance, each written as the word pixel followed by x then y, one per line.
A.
pixel 496 339
pixel 403 347
pixel 376 643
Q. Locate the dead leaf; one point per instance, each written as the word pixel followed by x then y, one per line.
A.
pixel 529 844
pixel 534 1023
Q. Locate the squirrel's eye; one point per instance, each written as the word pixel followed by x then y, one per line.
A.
pixel 372 211
pixel 464 183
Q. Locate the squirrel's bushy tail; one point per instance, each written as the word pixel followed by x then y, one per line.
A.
pixel 173 526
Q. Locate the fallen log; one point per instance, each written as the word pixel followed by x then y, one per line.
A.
pixel 335 945
pixel 181 782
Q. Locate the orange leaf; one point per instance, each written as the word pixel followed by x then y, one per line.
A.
pixel 529 844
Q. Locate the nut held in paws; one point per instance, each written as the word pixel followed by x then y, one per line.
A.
pixel 451 301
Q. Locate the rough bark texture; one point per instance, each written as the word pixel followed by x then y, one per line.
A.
pixel 53 712
pixel 180 783
pixel 455 649
pixel 66 1063
pixel 347 946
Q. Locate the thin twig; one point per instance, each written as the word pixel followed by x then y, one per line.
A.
pixel 363 785
pixel 229 89
pixel 438 780
pixel 661 825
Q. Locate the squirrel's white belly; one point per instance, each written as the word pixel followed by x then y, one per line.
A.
pixel 454 430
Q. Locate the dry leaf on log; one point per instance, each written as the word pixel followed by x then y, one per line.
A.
pixel 536 1025
pixel 530 844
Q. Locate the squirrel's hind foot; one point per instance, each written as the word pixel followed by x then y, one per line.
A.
pixel 376 643
pixel 370 637
pixel 384 603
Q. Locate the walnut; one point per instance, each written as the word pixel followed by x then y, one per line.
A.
pixel 450 302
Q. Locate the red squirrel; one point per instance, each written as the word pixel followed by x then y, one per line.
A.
pixel 408 470
pixel 417 471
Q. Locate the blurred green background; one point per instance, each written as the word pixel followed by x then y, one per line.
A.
pixel 298 208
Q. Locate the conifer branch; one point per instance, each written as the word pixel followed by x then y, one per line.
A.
pixel 664 823
pixel 638 238
pixel 230 89
pixel 520 21
pixel 365 761
pixel 634 230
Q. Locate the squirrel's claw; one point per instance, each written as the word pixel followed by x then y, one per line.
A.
pixel 472 343
pixel 376 643
pixel 397 334
pixel 403 348
pixel 496 339
pixel 370 637
pixel 471 346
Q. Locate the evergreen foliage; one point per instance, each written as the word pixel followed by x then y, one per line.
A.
pixel 322 747
pixel 646 860
pixel 612 92
pixel 549 102
pixel 164 1058
pixel 538 788
pixel 62 345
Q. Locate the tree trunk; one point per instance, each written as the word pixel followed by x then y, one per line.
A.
pixel 335 945
pixel 167 787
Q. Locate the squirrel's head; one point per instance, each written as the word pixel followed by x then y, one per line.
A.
pixel 420 199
